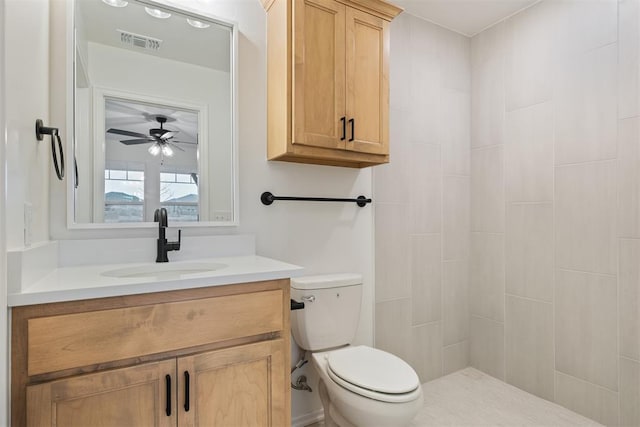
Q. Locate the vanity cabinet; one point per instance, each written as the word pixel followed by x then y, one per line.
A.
pixel 209 356
pixel 133 396
pixel 328 81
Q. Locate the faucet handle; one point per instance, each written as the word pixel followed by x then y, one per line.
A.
pixel 175 246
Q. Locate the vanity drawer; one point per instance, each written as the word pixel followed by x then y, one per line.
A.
pixel 68 341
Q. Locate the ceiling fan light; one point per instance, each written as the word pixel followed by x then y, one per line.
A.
pixel 167 151
pixel 157 13
pixel 116 3
pixel 154 150
pixel 197 24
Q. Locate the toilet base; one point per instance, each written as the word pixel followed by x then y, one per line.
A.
pixel 363 412
pixel 331 417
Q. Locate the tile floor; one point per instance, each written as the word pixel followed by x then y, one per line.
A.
pixel 471 398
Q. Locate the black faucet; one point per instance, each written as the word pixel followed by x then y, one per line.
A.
pixel 160 216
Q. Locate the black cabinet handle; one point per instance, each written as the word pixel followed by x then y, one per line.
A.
pixel 344 128
pixel 168 406
pixel 186 391
pixel 353 129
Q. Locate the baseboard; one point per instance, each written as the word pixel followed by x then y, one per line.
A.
pixel 306 419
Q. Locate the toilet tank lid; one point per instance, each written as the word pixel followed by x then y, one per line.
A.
pixel 325 281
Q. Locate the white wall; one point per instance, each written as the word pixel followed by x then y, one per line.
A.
pixel 4 356
pixel 25 163
pixel 29 168
pixel 321 237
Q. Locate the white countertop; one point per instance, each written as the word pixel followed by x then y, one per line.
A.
pixel 85 282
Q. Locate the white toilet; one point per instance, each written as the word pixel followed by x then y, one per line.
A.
pixel 359 386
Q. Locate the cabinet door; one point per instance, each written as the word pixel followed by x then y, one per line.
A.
pixel 135 396
pixel 319 73
pixel 238 386
pixel 367 39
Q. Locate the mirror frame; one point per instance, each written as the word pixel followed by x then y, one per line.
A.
pixel 70 124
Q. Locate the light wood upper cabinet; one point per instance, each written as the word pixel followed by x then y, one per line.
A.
pixel 368 82
pixel 215 356
pixel 328 81
pixel 319 77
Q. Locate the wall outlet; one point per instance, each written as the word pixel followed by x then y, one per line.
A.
pixel 28 224
pixel 221 216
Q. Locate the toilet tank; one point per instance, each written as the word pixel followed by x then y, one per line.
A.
pixel 331 313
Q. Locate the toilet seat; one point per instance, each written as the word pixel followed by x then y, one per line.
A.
pixel 373 373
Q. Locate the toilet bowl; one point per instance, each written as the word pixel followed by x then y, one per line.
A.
pixel 379 394
pixel 359 386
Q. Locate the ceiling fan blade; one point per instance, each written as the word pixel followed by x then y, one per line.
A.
pixel 126 133
pixel 135 141
pixel 175 146
pixel 183 142
pixel 168 135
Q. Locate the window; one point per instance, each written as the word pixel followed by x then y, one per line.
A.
pixel 123 195
pixel 179 195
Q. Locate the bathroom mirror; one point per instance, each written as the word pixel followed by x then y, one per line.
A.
pixel 154 122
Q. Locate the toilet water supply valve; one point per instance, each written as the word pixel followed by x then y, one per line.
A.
pixel 301 381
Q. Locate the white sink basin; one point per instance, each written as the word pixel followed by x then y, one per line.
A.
pixel 165 270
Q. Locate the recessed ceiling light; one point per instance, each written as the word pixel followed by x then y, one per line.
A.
pixel 157 13
pixel 116 3
pixel 197 24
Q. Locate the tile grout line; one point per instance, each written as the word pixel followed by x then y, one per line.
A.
pixel 616 217
pixel 588 382
pixel 442 229
pixel 593 273
pixel 554 105
pixel 504 211
pixel 487 319
pixel 536 300
pixel 586 162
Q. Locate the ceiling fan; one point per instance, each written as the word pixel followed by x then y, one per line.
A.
pixel 160 138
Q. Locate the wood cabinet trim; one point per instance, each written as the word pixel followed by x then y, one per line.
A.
pixel 379 8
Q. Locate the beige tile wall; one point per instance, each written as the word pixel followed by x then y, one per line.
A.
pixel 555 174
pixel 422 201
pixel 508 221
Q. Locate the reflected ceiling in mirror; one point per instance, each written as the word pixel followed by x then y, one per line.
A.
pixel 151 161
pixel 154 123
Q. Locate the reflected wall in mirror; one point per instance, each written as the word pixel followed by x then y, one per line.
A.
pixel 154 122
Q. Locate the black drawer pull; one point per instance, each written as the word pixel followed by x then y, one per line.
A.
pixel 168 406
pixel 353 129
pixel 186 391
pixel 344 128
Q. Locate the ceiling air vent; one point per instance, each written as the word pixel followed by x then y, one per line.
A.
pixel 137 40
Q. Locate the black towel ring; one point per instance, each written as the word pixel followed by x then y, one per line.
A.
pixel 41 131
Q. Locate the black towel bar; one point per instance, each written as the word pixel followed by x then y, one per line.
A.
pixel 267 198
